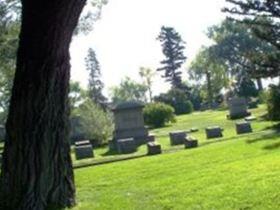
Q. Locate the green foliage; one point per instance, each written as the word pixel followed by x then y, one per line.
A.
pixel 9 29
pixel 128 90
pixel 158 114
pixel 178 99
pixel 263 96
pixel 76 94
pixel 241 50
pixel 147 75
pixel 273 102
pixel 95 122
pixel 173 49
pixel 210 72
pixel 246 88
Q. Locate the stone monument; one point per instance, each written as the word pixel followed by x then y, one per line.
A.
pixel 238 108
pixel 129 123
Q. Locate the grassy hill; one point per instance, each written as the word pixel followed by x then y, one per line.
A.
pixel 234 172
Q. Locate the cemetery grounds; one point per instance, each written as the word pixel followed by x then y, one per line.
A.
pixel 233 172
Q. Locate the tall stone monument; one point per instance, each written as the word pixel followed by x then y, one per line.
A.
pixel 129 123
pixel 238 108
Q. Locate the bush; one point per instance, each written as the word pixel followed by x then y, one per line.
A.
pixel 178 100
pixel 158 114
pixel 273 102
pixel 94 123
pixel 263 96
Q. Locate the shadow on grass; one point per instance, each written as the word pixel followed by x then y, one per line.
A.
pixel 272 146
pixel 109 153
pixel 264 137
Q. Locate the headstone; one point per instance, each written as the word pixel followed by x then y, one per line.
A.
pixel 151 138
pixel 238 108
pixel 2 133
pixel 243 127
pixel 83 149
pixel 125 146
pixel 129 122
pixel 153 148
pixel 213 132
pixel 191 142
pixel 177 137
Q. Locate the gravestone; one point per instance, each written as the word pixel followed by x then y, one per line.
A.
pixel 238 108
pixel 190 142
pixel 153 148
pixel 177 137
pixel 243 127
pixel 83 149
pixel 2 133
pixel 129 123
pixel 213 132
pixel 125 146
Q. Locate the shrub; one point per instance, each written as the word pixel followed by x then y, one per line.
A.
pixel 273 102
pixel 158 114
pixel 263 96
pixel 95 123
pixel 178 100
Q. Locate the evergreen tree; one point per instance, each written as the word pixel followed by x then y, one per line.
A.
pixel 173 50
pixel 95 85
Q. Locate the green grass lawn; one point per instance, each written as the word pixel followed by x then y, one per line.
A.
pixel 234 172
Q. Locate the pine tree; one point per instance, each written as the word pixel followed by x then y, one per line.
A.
pixel 95 85
pixel 173 50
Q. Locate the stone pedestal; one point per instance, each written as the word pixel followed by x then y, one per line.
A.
pixel 125 146
pixel 238 108
pixel 177 137
pixel 84 151
pixel 129 122
pixel 153 148
pixel 213 132
pixel 243 127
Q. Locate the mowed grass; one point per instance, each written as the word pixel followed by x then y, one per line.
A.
pixel 234 172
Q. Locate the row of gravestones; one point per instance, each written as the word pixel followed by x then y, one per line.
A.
pixel 83 149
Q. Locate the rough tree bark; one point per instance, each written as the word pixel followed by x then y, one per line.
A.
pixel 37 170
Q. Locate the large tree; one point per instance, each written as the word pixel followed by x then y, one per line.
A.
pixel 173 49
pixel 36 170
pixel 263 17
pixel 210 72
pixel 95 85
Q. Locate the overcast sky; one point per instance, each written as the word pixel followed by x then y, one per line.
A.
pixel 125 37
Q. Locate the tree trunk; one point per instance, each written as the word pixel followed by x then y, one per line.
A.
pixel 209 89
pixel 36 172
pixel 259 83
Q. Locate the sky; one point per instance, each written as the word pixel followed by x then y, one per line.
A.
pixel 124 39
